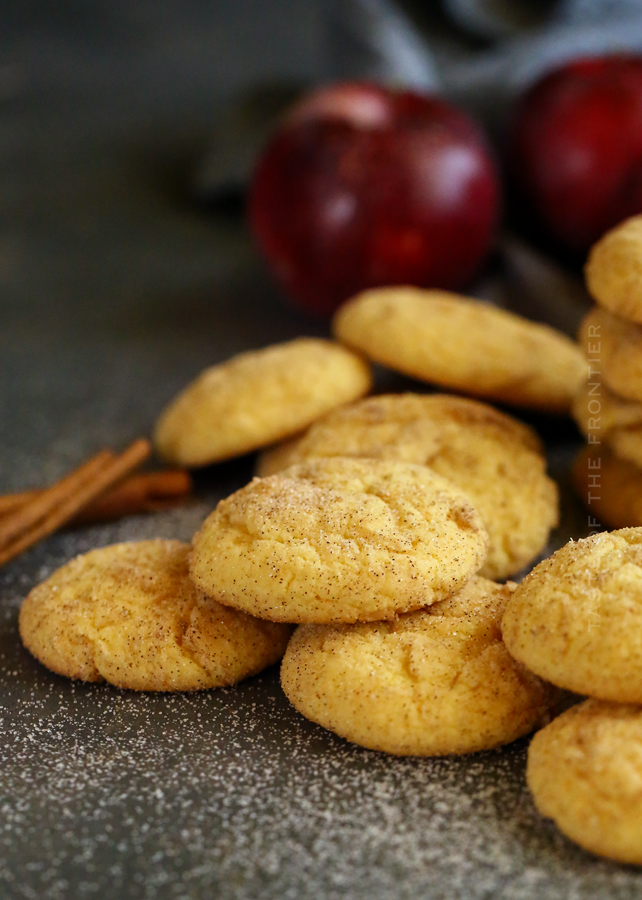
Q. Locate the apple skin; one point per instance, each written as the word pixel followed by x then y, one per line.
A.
pixel 363 186
pixel 575 149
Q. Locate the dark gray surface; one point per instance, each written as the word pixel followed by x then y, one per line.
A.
pixel 114 291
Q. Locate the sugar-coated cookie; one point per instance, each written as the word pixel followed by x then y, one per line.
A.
pixel 614 350
pixel 614 270
pixel 257 398
pixel 576 619
pixel 465 345
pixel 339 540
pixel 130 615
pixel 610 487
pixel 609 420
pixel 627 444
pixel 432 682
pixel 598 411
pixel 585 772
pixel 492 457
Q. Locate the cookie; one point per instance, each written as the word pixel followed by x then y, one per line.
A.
pixel 627 444
pixel 614 350
pixel 610 420
pixel 339 540
pixel 614 270
pixel 493 458
pixel 610 487
pixel 585 772
pixel 598 411
pixel 576 619
pixel 430 683
pixel 258 398
pixel 465 345
pixel 130 615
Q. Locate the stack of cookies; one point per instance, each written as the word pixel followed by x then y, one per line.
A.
pixel 608 409
pixel 381 531
pixel 377 559
pixel 576 620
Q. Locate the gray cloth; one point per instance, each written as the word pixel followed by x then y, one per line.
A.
pixel 378 39
pixel 528 39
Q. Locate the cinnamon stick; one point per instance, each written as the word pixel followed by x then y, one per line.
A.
pixel 10 502
pixel 145 492
pixel 42 505
pixel 70 496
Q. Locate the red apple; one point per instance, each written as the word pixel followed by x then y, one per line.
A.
pixel 576 148
pixel 363 186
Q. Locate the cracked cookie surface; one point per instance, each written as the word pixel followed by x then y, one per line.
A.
pixel 430 683
pixel 576 619
pixel 339 540
pixel 465 345
pixel 130 615
pixel 492 457
pixel 585 772
pixel 257 398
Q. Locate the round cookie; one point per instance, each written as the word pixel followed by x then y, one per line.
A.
pixel 614 348
pixel 576 619
pixel 130 615
pixel 257 398
pixel 465 345
pixel 493 458
pixel 430 683
pixel 598 411
pixel 585 772
pixel 614 270
pixel 610 487
pixel 339 540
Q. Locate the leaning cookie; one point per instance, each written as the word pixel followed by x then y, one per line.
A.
pixel 610 487
pixel 614 270
pixel 430 683
pixel 465 345
pixel 257 398
pixel 130 615
pixel 585 772
pixel 492 457
pixel 576 619
pixel 614 350
pixel 339 540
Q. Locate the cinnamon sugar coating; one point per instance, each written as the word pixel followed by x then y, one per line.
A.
pixel 617 345
pixel 339 540
pixel 496 460
pixel 129 614
pixel 576 619
pixel 430 683
pixel 614 270
pixel 257 398
pixel 585 772
pixel 464 345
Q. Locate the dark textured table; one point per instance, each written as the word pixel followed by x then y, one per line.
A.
pixel 114 291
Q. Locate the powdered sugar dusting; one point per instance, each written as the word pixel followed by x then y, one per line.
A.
pixel 115 794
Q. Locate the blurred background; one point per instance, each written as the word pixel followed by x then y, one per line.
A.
pixel 127 135
pixel 127 130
